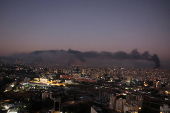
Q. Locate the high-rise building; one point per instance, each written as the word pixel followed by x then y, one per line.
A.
pixel 112 103
pixel 103 95
pixel 139 100
pixel 164 109
pixel 120 104
pixel 131 108
pixel 157 84
pixel 57 104
pixel 128 98
pixel 128 78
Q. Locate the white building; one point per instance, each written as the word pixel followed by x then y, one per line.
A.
pixel 95 109
pixel 43 80
pixel 68 82
pixel 12 111
pixel 164 109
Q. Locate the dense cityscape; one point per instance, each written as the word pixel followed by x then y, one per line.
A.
pixel 84 56
pixel 81 89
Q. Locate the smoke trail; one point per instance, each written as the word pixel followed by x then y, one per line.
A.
pixel 89 57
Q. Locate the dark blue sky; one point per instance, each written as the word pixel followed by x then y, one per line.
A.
pixel 84 25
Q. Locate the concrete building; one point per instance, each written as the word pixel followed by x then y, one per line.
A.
pixel 112 103
pixel 128 78
pixel 46 95
pixel 103 95
pixel 95 109
pixel 12 111
pixel 139 100
pixel 57 105
pixel 135 99
pixel 68 81
pixel 37 79
pixel 157 84
pixel 128 98
pixel 165 80
pixel 120 104
pixel 43 80
pixel 26 80
pixel 164 109
pixel 131 108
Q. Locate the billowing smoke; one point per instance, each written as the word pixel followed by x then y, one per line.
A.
pixel 120 55
pixel 90 58
pixel 156 60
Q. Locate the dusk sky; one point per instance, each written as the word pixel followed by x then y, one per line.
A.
pixel 85 25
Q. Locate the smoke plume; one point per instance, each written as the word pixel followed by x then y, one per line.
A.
pixel 90 58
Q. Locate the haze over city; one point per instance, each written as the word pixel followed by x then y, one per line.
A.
pixel 84 56
pixel 86 25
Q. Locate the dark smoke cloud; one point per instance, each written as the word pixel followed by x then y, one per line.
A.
pixel 120 55
pixel 156 60
pixel 136 55
pixel 78 54
pixel 89 58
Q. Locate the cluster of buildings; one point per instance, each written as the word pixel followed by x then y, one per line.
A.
pixel 120 89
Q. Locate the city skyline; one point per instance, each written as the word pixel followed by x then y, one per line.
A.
pixel 28 26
